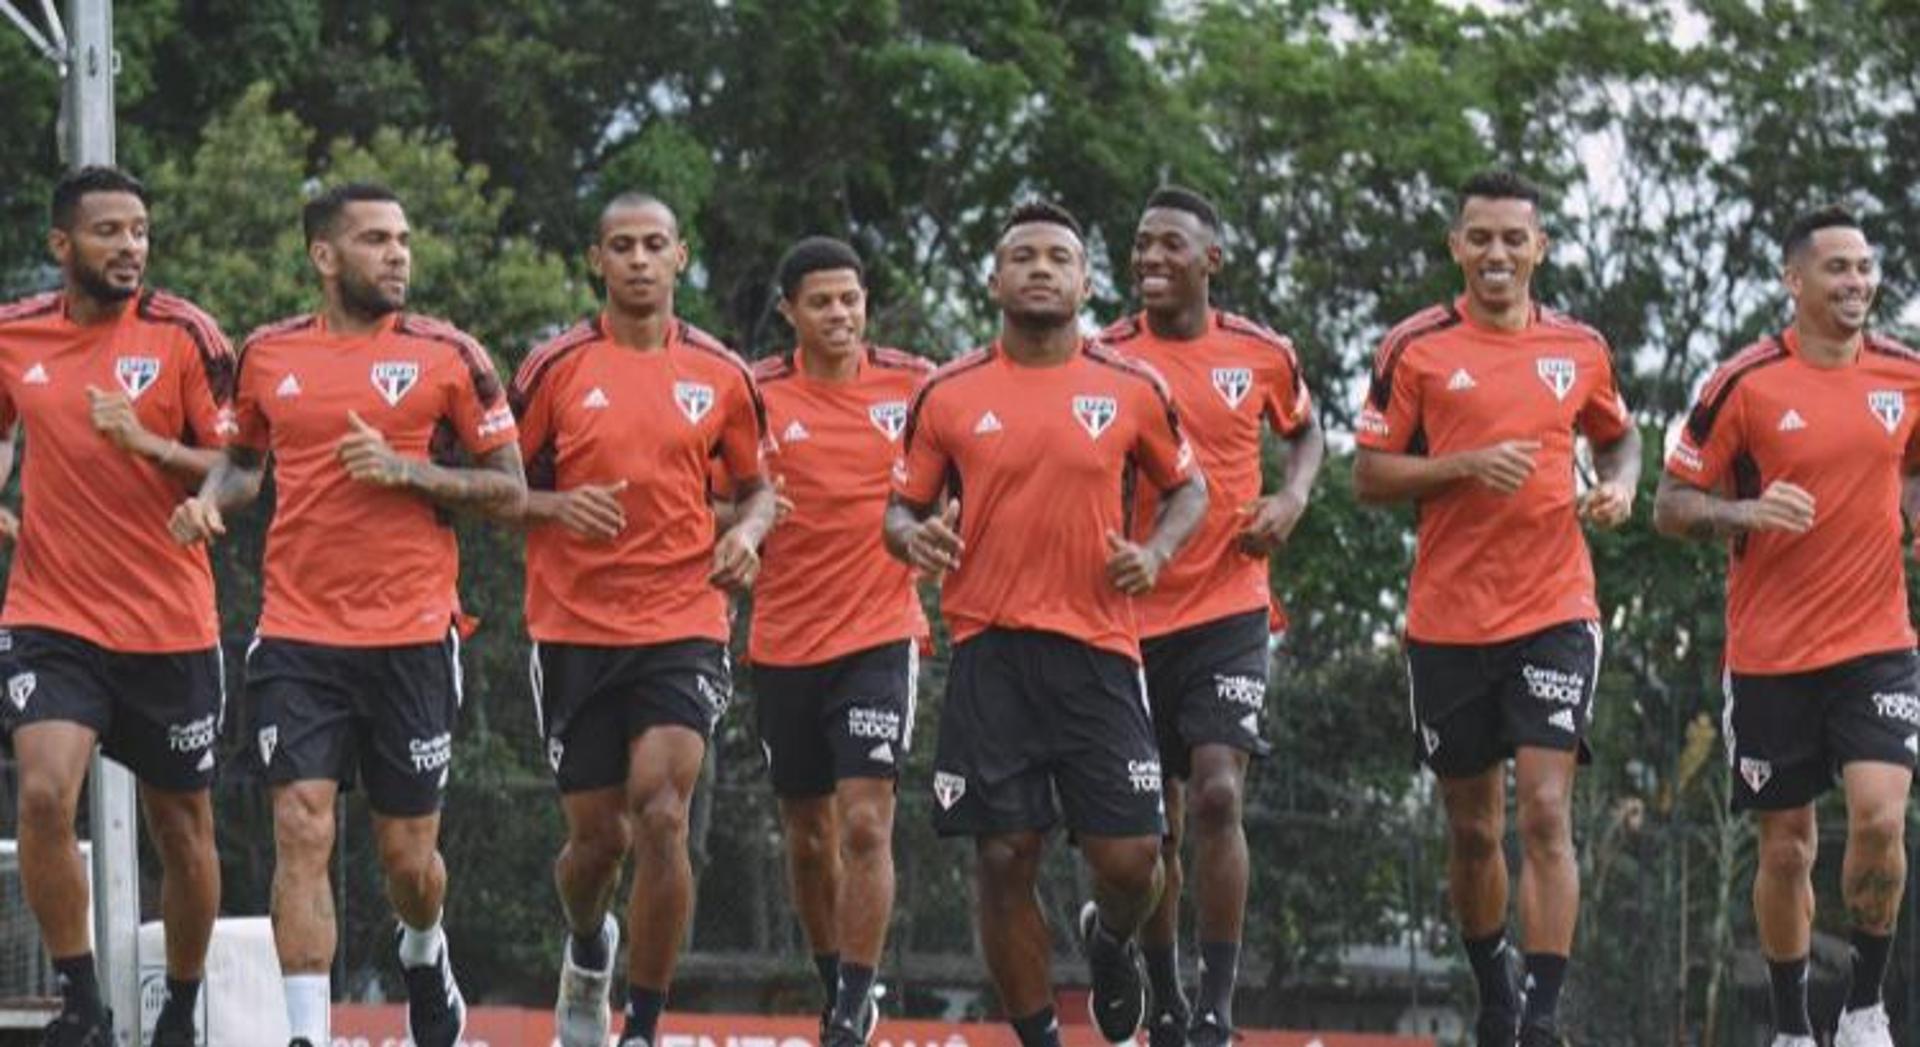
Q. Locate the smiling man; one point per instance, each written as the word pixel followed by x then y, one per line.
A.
pixel 1796 453
pixel 627 580
pixel 1471 415
pixel 1013 478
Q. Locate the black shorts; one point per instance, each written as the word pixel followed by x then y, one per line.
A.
pixel 1031 714
pixel 1788 735
pixel 1207 685
pixel 851 717
pixel 1473 704
pixel 593 701
pixel 381 715
pixel 159 714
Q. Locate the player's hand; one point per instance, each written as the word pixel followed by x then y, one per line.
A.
pixel 1606 505
pixel 114 419
pixel 735 561
pixel 594 511
pixel 196 520
pixel 935 546
pixel 1266 523
pixel 1505 466
pixel 367 457
pixel 1781 507
pixel 1133 569
pixel 9 525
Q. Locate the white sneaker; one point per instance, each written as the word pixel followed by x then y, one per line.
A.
pixel 1783 1040
pixel 582 1015
pixel 1866 1027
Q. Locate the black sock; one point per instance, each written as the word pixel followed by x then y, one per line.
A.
pixel 177 1011
pixel 1163 974
pixel 1869 968
pixel 1219 968
pixel 1039 1029
pixel 1788 980
pixel 828 966
pixel 643 1012
pixel 1492 972
pixel 590 949
pixel 79 986
pixel 1545 973
pixel 850 1002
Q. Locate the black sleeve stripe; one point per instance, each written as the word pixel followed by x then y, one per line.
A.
pixel 1719 389
pixel 479 364
pixel 1396 344
pixel 29 308
pixel 959 366
pixel 694 338
pixel 216 354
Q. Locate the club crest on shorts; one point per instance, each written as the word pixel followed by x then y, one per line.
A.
pixel 136 373
pixel 889 417
pixel 269 739
pixel 393 378
pixel 1095 413
pixel 1558 372
pixel 20 688
pixel 1757 773
pixel 1889 406
pixel 948 788
pixel 695 399
pixel 1234 383
pixel 556 752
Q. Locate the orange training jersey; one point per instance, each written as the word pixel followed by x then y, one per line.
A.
pixel 352 564
pixel 1487 566
pixel 1846 435
pixel 593 411
pixel 1227 382
pixel 94 558
pixel 827 586
pixel 1040 459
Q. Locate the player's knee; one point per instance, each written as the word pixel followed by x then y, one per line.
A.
pixel 1009 866
pixel 1787 855
pixel 181 832
pixel 1880 828
pixel 866 832
pixel 1213 804
pixel 661 818
pixel 1475 839
pixel 409 861
pixel 1546 827
pixel 303 839
pixel 1130 869
pixel 44 805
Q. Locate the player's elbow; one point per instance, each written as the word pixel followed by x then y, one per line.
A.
pixel 1369 487
pixel 1670 516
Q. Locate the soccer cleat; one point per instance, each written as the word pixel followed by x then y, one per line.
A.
pixel 1784 1040
pixel 582 1016
pixel 635 1041
pixel 436 1012
pixel 1168 1027
pixel 1208 1030
pixel 73 1029
pixel 174 1036
pixel 1541 1034
pixel 1866 1027
pixel 1499 1026
pixel 299 1041
pixel 1118 1002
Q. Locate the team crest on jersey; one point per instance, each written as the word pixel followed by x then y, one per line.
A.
pixel 1095 413
pixel 1558 372
pixel 695 400
pixel 393 378
pixel 136 373
pixel 1889 406
pixel 889 417
pixel 1234 383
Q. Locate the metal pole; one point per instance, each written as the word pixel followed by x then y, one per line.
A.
pixel 116 857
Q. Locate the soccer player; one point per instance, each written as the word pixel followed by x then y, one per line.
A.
pixel 1471 416
pixel 356 669
pixel 626 598
pixel 1204 628
pixel 1796 452
pixel 1017 459
pixel 836 622
pixel 110 631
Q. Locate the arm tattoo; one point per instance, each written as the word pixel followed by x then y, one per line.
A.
pixel 495 486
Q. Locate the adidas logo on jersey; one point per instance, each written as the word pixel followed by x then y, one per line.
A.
pixel 36 375
pixel 1460 380
pixel 1791 421
pixel 289 386
pixel 795 432
pixel 596 400
pixel 988 423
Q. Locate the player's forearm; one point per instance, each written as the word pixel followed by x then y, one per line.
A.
pixel 1181 511
pixel 1382 477
pixel 1619 461
pixel 233 481
pixel 1306 453
pixel 1684 511
pixel 189 464
pixel 541 507
pixel 753 512
pixel 495 488
pixel 897 528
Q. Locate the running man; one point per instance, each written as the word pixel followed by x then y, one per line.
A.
pixel 110 634
pixel 356 669
pixel 1796 452
pixel 836 622
pixel 1471 416
pixel 627 585
pixel 1016 462
pixel 1204 630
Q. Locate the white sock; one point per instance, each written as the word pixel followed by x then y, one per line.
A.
pixel 420 948
pixel 309 1004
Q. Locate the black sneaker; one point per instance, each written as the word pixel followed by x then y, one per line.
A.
pixel 436 1012
pixel 299 1041
pixel 174 1036
pixel 73 1029
pixel 1542 1034
pixel 1496 1028
pixel 1168 1027
pixel 1208 1030
pixel 1118 1002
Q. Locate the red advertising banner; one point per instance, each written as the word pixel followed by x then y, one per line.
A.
pixel 360 1025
